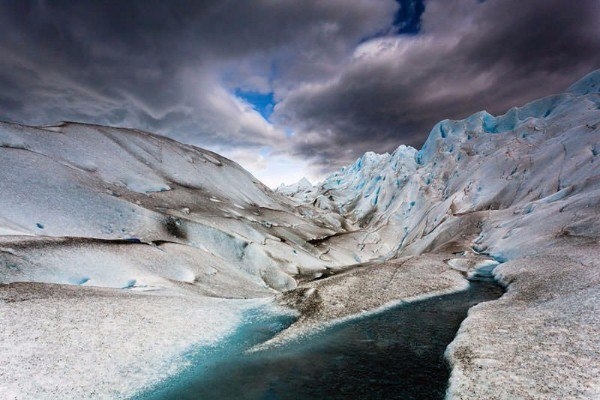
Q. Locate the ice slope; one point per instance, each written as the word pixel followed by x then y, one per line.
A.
pixel 523 187
pixel 116 189
pixel 539 157
pixel 120 250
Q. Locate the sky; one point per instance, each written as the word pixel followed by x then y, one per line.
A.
pixel 288 88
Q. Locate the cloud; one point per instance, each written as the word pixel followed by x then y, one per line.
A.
pixel 345 76
pixel 163 67
pixel 468 56
pixel 271 167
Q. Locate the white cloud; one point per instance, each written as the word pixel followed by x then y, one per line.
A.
pixel 273 168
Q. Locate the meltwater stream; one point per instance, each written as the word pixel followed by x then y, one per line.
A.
pixel 396 354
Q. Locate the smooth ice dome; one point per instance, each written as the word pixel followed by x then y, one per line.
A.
pixel 106 188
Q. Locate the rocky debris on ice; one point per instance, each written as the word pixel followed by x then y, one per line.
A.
pixel 540 340
pixel 371 288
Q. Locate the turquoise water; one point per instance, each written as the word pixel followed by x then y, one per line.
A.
pixel 397 354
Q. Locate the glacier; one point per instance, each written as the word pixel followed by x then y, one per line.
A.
pixel 522 189
pixel 120 250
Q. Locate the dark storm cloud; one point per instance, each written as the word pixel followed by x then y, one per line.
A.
pixel 174 67
pixel 468 56
pixel 161 65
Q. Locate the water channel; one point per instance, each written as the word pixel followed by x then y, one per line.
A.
pixel 395 354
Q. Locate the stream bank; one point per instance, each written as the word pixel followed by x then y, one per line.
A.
pixel 398 353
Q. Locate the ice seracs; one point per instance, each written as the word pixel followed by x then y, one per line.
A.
pixel 301 190
pixel 526 159
pixel 524 188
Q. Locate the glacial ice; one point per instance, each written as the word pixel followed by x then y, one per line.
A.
pixel 120 249
pixel 536 154
pixel 524 188
pixel 143 231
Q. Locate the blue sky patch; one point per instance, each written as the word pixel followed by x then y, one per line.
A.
pixel 408 17
pixel 407 20
pixel 263 103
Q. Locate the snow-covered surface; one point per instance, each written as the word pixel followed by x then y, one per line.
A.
pixel 68 342
pixel 120 249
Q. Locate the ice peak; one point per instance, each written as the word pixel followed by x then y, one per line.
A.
pixel 304 183
pixel 403 149
pixel 586 85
